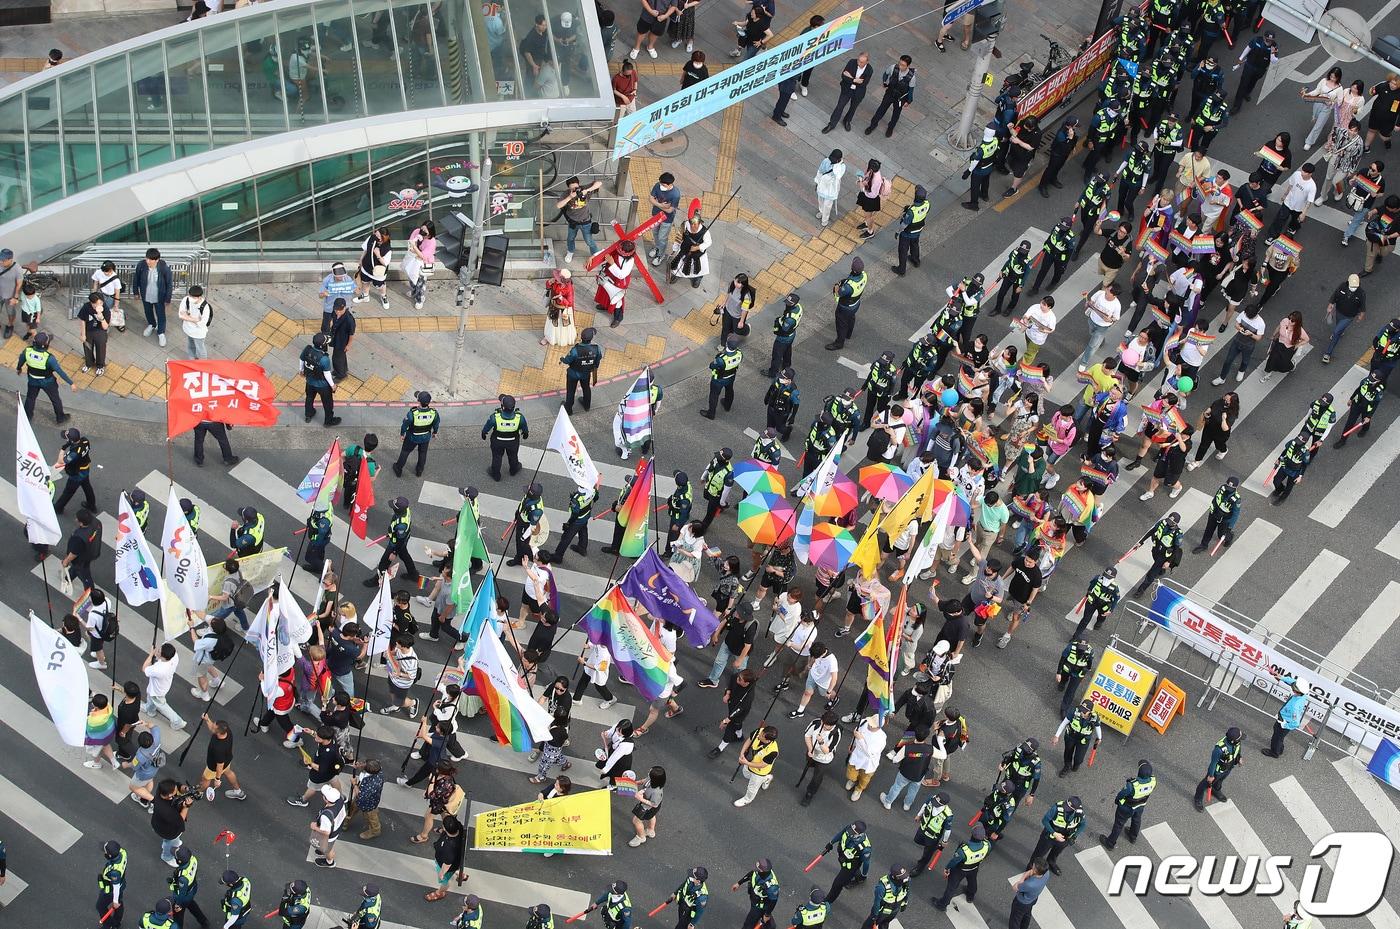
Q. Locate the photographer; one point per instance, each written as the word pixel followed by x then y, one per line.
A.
pixel 171 808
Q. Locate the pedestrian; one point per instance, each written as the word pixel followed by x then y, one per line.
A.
pixel 214 644
pixel 1084 732
pixel 337 285
pixel 159 668
pixel 1216 424
pixel 1117 246
pixel 738 701
pixel 99 732
pixel 1360 193
pixel 1024 581
pixel 871 186
pixel 1028 886
pixel 219 431
pixel 980 163
pixel 615 276
pixel 867 745
pixel 1248 332
pixel 854 80
pixel 787 89
pixel 1385 110
pixel 1290 715
pixel 695 70
pixel 1224 758
pixel 665 201
pixel 1062 144
pixel 911 225
pixel 420 424
pixel 735 637
pixel 740 300
pixel 848 293
pixel 1347 306
pixel 366 789
pixel 96 321
pixel 1288 337
pixel 218 761
pixel 195 316
pixel 154 283
pixel 1104 310
pixel 1382 229
pixel 1020 148
pixel 962 868
pixel 169 811
pixel 76 461
pixel 449 855
pixel 1297 196
pixel 574 204
pixel 1343 153
pixel 373 272
pixel 1255 58
pixel 41 368
pixel 691 260
pixel 145 763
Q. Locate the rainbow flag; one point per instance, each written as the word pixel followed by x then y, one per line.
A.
pixel 1144 233
pixel 1288 246
pixel 322 481
pixel 1203 245
pixel 1084 377
pixel 1272 156
pixel 1025 507
pixel 638 655
pixel 1160 314
pixel 967 382
pixel 1180 240
pixel 985 449
pixel 1091 473
pixel 1199 338
pixel 518 720
pixel 1154 251
pixel 1249 219
pixel 636 411
pixel 1077 506
pixel 635 514
pixel 1168 419
pixel 1032 376
pixel 1366 186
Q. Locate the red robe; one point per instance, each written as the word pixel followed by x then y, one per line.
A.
pixel 613 278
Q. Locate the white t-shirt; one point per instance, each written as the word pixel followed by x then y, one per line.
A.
pixel 159 676
pixel 823 670
pixel 198 327
pixel 785 618
pixel 109 284
pixel 1104 308
pixel 1255 325
pixel 1300 191
pixel 1044 324
pixel 801 638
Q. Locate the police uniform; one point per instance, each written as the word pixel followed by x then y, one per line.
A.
pixel 576 526
pixel 318 536
pixel 678 507
pixel 1074 667
pixel 718 475
pixel 848 294
pixel 782 401
pixel 237 900
pixel 891 899
pixel 473 913
pixel 768 449
pixel 963 868
pixel 935 819
pixel 852 859
pixel 315 367
pixel 1170 138
pixel 922 362
pixel 527 516
pixel 1361 407
pixel 1223 759
pixel 1105 129
pixel 1166 551
pixel 723 371
pixel 184 885
pixel 159 918
pixel 111 887
pixel 1080 728
pixel 247 537
pixel 879 386
pixel 505 428
pixel 763 891
pixel 811 915
pixel 350 472
pixel 295 906
pixel 915 214
pixel 1091 201
pixel 691 899
pixel 396 543
pixel 1208 120
pixel 540 918
pixel 616 906
pixel 784 334
pixel 1100 600
pixel 843 412
pixel 1013 278
pixel 1129 804
pixel 1257 56
pixel 1022 767
pixel 140 508
pixel 612 548
pixel 41 370
pixel 979 168
pixel 1059 827
pixel 419 426
pixel 1058 246
pixel 997 809
pixel 583 360
pixel 77 469
pixel 367 915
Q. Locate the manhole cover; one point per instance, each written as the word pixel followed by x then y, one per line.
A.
pixel 673 146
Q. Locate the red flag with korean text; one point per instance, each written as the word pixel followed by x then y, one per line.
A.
pixel 234 392
pixel 364 500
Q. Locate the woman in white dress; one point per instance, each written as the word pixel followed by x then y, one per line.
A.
pixel 559 326
pixel 687 551
pixel 828 182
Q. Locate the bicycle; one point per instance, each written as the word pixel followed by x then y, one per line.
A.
pixel 43 281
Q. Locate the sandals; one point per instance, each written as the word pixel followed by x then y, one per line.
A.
pixel 639 731
pixel 672 714
pixel 941 47
pixel 966 46
pixel 540 780
pixel 418 840
pixel 433 896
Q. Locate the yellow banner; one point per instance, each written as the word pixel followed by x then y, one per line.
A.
pixel 1119 690
pixel 577 823
pixel 259 570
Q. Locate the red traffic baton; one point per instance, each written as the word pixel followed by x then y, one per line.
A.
pixel 813 863
pixel 973 820
pixel 1216 547
pixel 1093 753
pixel 269 915
pixel 1347 434
pixel 660 906
pixel 578 916
pixel 936 855
pixel 1079 607
pixel 377 540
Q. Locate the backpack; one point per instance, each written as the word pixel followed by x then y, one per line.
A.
pixel 111 628
pixel 222 649
pixel 243 594
pixel 94 544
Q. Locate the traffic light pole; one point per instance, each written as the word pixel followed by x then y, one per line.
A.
pixel 962 138
pixel 467 275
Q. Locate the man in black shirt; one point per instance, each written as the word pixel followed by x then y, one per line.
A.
pixel 96 319
pixel 534 48
pixel 956 624
pixel 324 767
pixel 855 78
pixel 128 715
pixel 84 545
pixel 738 700
pixel 168 815
pixel 1024 581
pixel 342 334
pixel 218 761
pixel 739 633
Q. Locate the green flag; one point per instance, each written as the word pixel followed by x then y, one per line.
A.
pixel 469 546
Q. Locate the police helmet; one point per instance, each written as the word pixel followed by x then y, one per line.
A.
pixel 681 478
pixel 848 393
pixel 1110 572
pixel 619 887
pixel 793 299
pixel 229 878
pixel 726 453
pixel 978 279
pixel 247 513
pixel 163 906
pixel 370 890
pixel 979 833
pixel 1233 734
pixel 319 340
pixel 182 856
pixel 111 848
pixel 700 874
pixel 763 866
pixel 138 497
pixel 1032 743
pixel 41 340
pixel 400 504
pixel 297 886
pixel 507 402
pixel 424 397
pixel 818 896
pixel 588 334
pixel 1025 245
pixel 534 490
pixel 858 826
pixel 1144 768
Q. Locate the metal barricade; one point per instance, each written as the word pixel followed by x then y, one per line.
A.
pixel 189 264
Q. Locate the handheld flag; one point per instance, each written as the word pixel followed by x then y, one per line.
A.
pixel 518 720
pixel 470 546
pixel 186 572
pixel 638 655
pixel 636 411
pixel 136 568
pixel 63 679
pixel 477 616
pixel 635 514
pixel 32 483
pixel 818 486
pixel 661 592
pixel 565 440
pixel 322 480
pixel 364 500
pixel 379 618
pixel 234 392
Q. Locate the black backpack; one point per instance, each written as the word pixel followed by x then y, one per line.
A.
pixel 111 628
pixel 223 649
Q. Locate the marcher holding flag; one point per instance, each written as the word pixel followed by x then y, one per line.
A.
pixel 34 487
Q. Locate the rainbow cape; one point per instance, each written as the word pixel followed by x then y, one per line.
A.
pixel 635 514
pixel 1091 473
pixel 636 411
pixel 1199 338
pixel 518 720
pixel 1024 508
pixel 638 655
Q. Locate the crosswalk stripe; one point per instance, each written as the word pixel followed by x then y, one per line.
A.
pixel 36 818
pixel 491 506
pixel 1213 910
pixel 964 915
pixel 1376 801
pixel 1246 842
pixel 1356 643
pixel 1035 235
pixel 1340 392
pixel 1303 593
pixel 1327 215
pixel 1127 907
pixel 38 730
pixel 1390 545
pixel 399 731
pixel 323 918
pixel 861 370
pixel 284 496
pixel 156 486
pixel 1235 561
pixel 1314 824
pixel 752 433
pixel 490 887
pixel 1358 481
pixel 410 799
pixel 1047 913
pixel 14 886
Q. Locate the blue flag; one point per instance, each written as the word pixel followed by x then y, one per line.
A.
pixel 478 615
pixel 659 591
pixel 1385 763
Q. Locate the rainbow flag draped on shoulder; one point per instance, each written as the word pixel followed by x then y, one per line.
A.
pixel 638 655
pixel 636 411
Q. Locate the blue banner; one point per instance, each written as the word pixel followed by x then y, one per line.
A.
pixel 1385 763
pixel 658 120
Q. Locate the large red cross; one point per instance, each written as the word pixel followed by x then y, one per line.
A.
pixel 641 258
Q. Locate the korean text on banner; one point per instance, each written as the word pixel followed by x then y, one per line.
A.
pixel 63 680
pixel 1260 665
pixel 1119 690
pixel 577 823
pixel 1052 91
pixel 694 103
pixel 234 392
pixel 33 485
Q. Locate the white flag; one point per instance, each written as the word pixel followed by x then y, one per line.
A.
pixel 63 679
pixel 810 489
pixel 294 619
pixel 927 550
pixel 266 638
pixel 379 619
pixel 565 440
pixel 32 485
pixel 186 572
pixel 136 568
pixel 489 656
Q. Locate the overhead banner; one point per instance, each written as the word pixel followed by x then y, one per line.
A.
pixel 1285 16
pixel 1258 664
pixel 1119 690
pixel 576 823
pixel 694 103
pixel 1051 92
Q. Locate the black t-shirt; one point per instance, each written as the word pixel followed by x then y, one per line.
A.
pixel 756 27
pixel 954 630
pixel 738 634
pixel 542 637
pixel 917 756
pixel 1386 107
pixel 94 316
pixel 536 45
pixel 127 715
pixel 692 73
pixel 220 753
pixel 166 819
pixel 1024 582
pixel 328 764
pixel 79 543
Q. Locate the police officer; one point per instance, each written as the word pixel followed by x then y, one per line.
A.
pixel 246 536
pixel 820 438
pixel 912 224
pixel 1161 17
pixel 76 461
pixel 678 507
pixel 1254 60
pixel 813 913
pixel 295 906
pixel 1022 769
pixel 315 367
pixel 1318 422
pixel 527 516
pixel 419 426
pixel 970 293
pixel 852 846
pixel 782 401
pixel 470 493
pixel 472 913
pixel 891 898
pixel 1059 827
pixel 367 914
pixel 1091 203
pixel 184 885
pixel 1224 513
pixel 1224 758
pixel 1169 140
pixel 613 547
pixel 540 917
pixel 140 506
pixel 1132 178
pixel 691 898
pixel 576 526
pixel 1084 728
pixel 761 885
pixel 1166 549
pixel 318 536
pixel 1105 128
pixel 1012 278
pixel 583 361
pixel 1360 407
pixel 848 293
pixel 767 448
pixel 922 362
pixel 718 475
pixel 1100 600
pixel 1129 804
pixel 844 412
pixel 111 885
pixel 616 906
pixel 1056 253
pixel 879 387
pixel 1075 662
pixel 997 809
pixel 191 511
pixel 935 819
pixel 506 427
pixel 396 543
pixel 1062 145
pixel 41 369
pixel 980 164
pixel 1206 79
pixel 237 900
pixel 161 917
pixel 723 370
pixel 963 867
pixel 350 467
pixel 784 334
pixel 1209 118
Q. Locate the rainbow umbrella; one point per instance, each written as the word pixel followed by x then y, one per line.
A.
pixel 754 476
pixel 831 546
pixel 766 518
pixel 885 481
pixel 840 499
pixel 961 513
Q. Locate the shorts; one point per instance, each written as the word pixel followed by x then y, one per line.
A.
pixel 655 27
pixel 1165 471
pixel 531 604
pixel 211 776
pixel 1010 607
pixel 138 782
pixel 853 603
pixel 815 685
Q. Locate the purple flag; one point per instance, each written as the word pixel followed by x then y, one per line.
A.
pixel 659 591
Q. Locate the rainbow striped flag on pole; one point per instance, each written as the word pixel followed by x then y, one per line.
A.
pixel 1153 250
pixel 518 721
pixel 637 653
pixel 635 515
pixel 636 411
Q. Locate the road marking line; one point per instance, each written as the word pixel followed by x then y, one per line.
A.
pixel 1340 392
pixel 38 730
pixel 1032 233
pixel 1235 561
pixel 1376 801
pixel 284 496
pixel 1126 907
pixel 1356 484
pixel 1358 641
pixel 1048 913
pixel 1214 911
pixel 14 886
pixel 1246 842
pixel 36 818
pixel 861 369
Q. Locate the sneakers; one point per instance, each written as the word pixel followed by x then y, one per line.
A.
pixel 161 339
pixel 235 794
pixel 291 743
pixel 886 803
pixel 1193 465
pixel 797 714
pixel 84 369
pixel 1218 380
pixel 296 801
pixel 1220 456
pixel 607 703
pixel 384 302
pixel 100 371
pixel 201 695
pixel 1239 377
pixel 145 804
pixel 360 298
pixel 634 53
pixel 1176 492
pixel 1327 359
pixel 389 710
pixel 324 862
pixel 689 47
pixel 638 839
pixel 706 683
pixel 568 258
pixel 1147 496
pixel 742 801
pixel 92 763
pixel 651 52
pixel 418 304
pixel 147 331
pixel 676 43
pixel 803 90
pixel 855 794
pixel 1004 641
pixel 99 665
pixel 1265 377
pixel 401 780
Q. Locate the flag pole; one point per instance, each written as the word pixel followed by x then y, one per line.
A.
pixel 210 705
pixel 48 599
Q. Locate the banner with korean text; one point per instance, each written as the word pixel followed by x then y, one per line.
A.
pixel 692 104
pixel 1261 665
pixel 579 823
pixel 234 392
